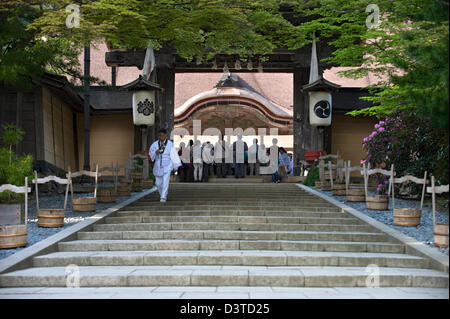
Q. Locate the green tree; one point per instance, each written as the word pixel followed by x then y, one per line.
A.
pixel 23 52
pixel 408 51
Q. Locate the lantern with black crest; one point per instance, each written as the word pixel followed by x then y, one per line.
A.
pixel 144 102
pixel 319 89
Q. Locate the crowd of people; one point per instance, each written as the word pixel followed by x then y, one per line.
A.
pixel 200 160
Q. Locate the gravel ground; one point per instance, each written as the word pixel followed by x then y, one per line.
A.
pixel 36 234
pixel 423 232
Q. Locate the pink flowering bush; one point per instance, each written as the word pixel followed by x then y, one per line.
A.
pixel 411 144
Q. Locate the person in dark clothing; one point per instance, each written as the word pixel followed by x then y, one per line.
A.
pixel 183 169
pixel 219 158
pixel 239 149
pixel 208 159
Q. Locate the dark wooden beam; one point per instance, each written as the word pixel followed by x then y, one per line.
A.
pixel 165 77
pixel 86 110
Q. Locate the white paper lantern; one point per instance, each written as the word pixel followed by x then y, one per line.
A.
pixel 144 107
pixel 320 107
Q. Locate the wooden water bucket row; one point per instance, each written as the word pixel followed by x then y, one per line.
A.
pixel 377 202
pixel 106 195
pixel 84 204
pixel 12 236
pixel 407 216
pixel 51 217
pixel 356 195
pixel 339 190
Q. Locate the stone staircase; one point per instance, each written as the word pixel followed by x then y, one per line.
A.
pixel 210 235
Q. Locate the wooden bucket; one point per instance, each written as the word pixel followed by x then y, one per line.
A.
pixel 136 176
pixel 147 183
pixel 126 182
pixel 406 216
pixel 377 202
pixel 84 204
pixel 13 236
pixel 106 195
pixel 317 184
pixel 325 186
pixel 50 217
pixel 339 190
pixel 356 195
pixel 124 188
pixel 441 235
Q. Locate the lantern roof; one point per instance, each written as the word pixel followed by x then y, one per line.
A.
pixel 142 84
pixel 316 81
pixel 321 85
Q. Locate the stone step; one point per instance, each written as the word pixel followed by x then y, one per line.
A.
pixel 234 202
pixel 240 235
pixel 221 292
pixel 228 208
pixel 229 216
pixel 250 219
pixel 231 226
pixel 178 244
pixel 230 257
pixel 121 276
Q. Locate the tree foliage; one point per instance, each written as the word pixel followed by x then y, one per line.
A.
pixel 407 53
pixel 24 52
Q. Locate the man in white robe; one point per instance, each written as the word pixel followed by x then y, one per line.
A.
pixel 166 159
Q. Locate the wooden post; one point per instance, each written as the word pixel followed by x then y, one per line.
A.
pixel 26 201
pixel 37 192
pixel 365 179
pixel 391 179
pixel 321 171
pixel 433 200
pixel 347 175
pixel 67 192
pixel 71 184
pixel 96 180
pixel 391 183
pixel 330 170
pixel 423 189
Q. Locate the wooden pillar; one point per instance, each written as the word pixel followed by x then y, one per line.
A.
pixel 165 76
pixel 137 139
pixel 302 129
pixel 87 121
pixel 113 76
